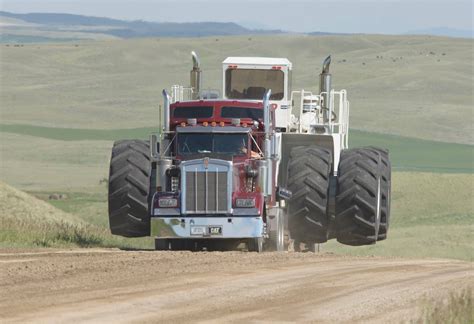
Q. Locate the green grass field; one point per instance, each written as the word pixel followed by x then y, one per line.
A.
pixel 419 86
pixel 424 223
pixel 432 216
pixel 406 153
pixel 63 104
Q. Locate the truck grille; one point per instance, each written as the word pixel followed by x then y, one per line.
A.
pixel 206 192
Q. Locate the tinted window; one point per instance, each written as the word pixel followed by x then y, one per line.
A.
pixel 242 112
pixel 234 144
pixel 252 84
pixel 192 112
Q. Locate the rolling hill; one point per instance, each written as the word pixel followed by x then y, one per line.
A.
pixel 413 86
pixel 44 27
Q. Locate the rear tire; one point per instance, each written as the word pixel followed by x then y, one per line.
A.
pixel 255 244
pixel 309 170
pixel 129 188
pixel 359 197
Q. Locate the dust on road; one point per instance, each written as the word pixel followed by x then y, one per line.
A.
pixel 92 285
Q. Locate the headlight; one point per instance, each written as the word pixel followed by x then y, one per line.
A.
pixel 245 202
pixel 167 202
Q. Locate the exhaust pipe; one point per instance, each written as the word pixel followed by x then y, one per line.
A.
pixel 166 111
pixel 266 167
pixel 196 76
pixel 266 111
pixel 325 87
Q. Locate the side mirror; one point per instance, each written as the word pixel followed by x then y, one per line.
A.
pixel 154 146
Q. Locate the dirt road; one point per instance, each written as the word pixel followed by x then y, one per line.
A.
pixel 146 286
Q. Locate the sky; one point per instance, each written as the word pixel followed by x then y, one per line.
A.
pixel 340 16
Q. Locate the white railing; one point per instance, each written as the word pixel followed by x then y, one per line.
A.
pixel 338 108
pixel 181 93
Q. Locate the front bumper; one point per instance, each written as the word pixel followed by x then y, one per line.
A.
pixel 207 227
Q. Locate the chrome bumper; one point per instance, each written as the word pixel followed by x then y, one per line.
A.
pixel 207 227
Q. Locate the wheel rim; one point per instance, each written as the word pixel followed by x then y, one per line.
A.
pixel 281 232
pixel 378 211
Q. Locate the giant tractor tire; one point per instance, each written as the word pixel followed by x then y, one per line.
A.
pixel 130 180
pixel 359 200
pixel 309 170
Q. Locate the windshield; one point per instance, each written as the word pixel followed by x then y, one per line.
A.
pixel 252 84
pixel 232 144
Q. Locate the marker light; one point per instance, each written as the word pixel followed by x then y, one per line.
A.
pixel 213 124
pixel 205 124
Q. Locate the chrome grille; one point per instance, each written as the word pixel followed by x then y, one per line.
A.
pixel 206 192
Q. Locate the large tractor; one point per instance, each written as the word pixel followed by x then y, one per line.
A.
pixel 260 165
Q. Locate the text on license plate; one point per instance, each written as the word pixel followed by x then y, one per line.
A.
pixel 206 230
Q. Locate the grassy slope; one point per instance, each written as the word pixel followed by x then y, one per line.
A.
pixel 116 84
pixel 431 216
pixel 27 221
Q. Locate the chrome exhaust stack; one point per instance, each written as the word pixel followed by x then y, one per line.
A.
pixel 325 87
pixel 265 168
pixel 166 111
pixel 266 111
pixel 196 76
pixel 164 162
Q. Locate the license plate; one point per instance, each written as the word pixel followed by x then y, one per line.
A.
pixel 198 230
pixel 215 230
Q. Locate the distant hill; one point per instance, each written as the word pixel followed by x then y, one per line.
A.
pixel 444 31
pixel 129 29
pixel 320 33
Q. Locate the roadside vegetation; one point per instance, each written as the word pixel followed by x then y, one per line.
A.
pixel 30 222
pixel 455 309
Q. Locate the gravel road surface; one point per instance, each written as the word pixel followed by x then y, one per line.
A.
pixel 109 285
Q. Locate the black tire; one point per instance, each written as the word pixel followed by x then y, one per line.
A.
pixel 129 188
pixel 309 170
pixel 386 181
pixel 358 200
pixel 255 244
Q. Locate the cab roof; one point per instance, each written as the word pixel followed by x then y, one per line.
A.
pixel 220 102
pixel 258 60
